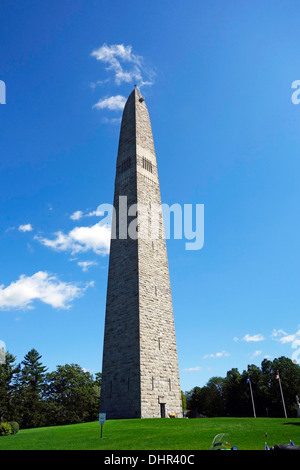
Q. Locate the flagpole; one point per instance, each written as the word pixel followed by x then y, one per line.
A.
pixel 281 393
pixel 251 396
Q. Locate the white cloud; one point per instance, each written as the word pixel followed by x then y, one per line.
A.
pixel 292 339
pixel 85 265
pixel 113 103
pixel 111 120
pixel 256 353
pixel 109 54
pixel 76 215
pixel 275 333
pixel 191 369
pixel 288 339
pixel 96 213
pixel 25 228
pixel 283 337
pixel 40 286
pixel 115 56
pixel 254 338
pixel 217 355
pixel 81 239
pixel 94 85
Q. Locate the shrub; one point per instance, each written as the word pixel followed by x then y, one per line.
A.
pixel 5 429
pixel 14 427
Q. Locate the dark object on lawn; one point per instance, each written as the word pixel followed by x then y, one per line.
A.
pixel 289 446
pixel 285 447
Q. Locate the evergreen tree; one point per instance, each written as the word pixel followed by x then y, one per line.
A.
pixel 7 371
pixel 33 372
pixel 32 380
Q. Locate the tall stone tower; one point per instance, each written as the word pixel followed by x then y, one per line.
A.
pixel 140 377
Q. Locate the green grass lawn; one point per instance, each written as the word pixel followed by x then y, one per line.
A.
pixel 157 434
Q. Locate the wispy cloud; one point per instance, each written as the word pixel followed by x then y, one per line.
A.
pixel 278 333
pixel 40 286
pixel 125 65
pixel 80 239
pixel 94 85
pixel 192 369
pixel 291 338
pixel 253 338
pixel 216 355
pixel 256 353
pixel 85 265
pixel 111 120
pixel 77 215
pixel 25 228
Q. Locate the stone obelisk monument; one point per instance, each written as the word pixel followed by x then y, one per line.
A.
pixel 140 377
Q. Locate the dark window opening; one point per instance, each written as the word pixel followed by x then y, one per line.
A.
pixel 147 164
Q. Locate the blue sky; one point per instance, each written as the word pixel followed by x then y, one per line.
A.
pixel 218 89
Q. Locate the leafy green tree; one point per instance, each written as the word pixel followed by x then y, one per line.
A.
pixel 232 391
pixel 97 384
pixel 211 399
pixel 193 400
pixel 207 400
pixel 254 375
pixel 289 374
pixel 215 400
pixel 72 395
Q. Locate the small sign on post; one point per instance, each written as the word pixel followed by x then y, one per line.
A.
pixel 102 419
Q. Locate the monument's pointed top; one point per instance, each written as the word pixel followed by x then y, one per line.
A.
pixel 135 125
pixel 135 95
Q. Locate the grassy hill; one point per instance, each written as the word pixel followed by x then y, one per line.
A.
pixel 157 434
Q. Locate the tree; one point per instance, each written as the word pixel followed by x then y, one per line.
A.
pixel 289 373
pixel 215 398
pixel 207 400
pixel 231 396
pixel 32 380
pixel 193 400
pixel 7 372
pixel 33 372
pixel 72 395
pixel 183 401
pixel 232 385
